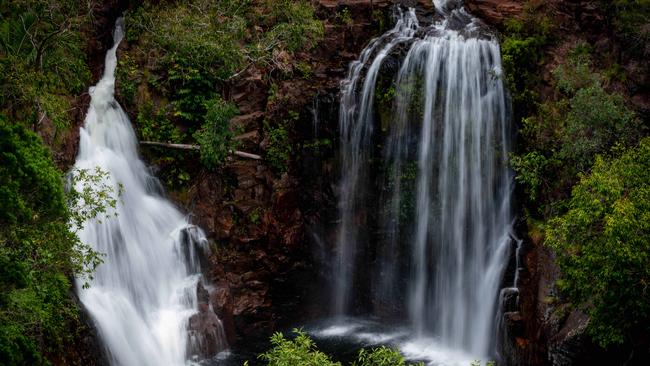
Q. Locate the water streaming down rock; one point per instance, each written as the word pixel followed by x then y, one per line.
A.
pixel 144 294
pixel 355 120
pixel 439 198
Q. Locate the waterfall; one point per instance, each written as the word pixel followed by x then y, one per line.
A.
pixel 356 125
pixel 425 191
pixel 143 295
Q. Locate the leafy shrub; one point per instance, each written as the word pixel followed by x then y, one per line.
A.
pixel 26 164
pixel 215 137
pixel 522 45
pixel 596 120
pixel 279 149
pixel 291 24
pixel 603 245
pixel 381 356
pixel 42 60
pixel 155 125
pixel 530 168
pixel 564 136
pixel 39 250
pixel 189 50
pixel 301 351
pixel 630 21
pixel 128 78
pixel 344 17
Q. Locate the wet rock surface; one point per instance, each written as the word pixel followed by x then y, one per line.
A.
pixel 205 330
pixel 495 12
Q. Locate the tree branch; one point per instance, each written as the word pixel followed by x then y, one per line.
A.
pixel 241 154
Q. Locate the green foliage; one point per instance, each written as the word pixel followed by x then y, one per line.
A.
pixel 603 246
pixel 279 148
pixel 381 356
pixel 576 73
pixel 291 25
pixel 301 351
pixel 39 250
pixel 185 52
pixel 305 70
pixel 522 45
pixel 564 136
pixel 255 216
pixel 478 363
pixel 384 97
pixel 42 61
pixel 344 17
pixel 529 168
pixel 154 125
pixel 201 43
pixel 630 21
pixel 215 137
pixel 128 77
pixel 595 121
pixel 318 144
pixel 24 164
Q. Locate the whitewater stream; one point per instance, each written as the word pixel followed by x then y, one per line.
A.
pixel 144 293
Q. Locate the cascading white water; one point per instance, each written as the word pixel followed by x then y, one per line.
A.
pixel 356 125
pixel 462 217
pixel 143 294
pixel 449 125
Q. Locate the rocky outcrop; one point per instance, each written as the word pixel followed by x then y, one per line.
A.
pixel 205 329
pixel 495 12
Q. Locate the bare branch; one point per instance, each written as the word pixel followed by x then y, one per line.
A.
pixel 241 154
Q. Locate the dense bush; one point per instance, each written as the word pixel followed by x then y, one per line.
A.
pixel 188 51
pixel 603 246
pixel 302 351
pixel 278 150
pixel 215 137
pixel 42 59
pixel 585 181
pixel 630 21
pixel 522 45
pixel 154 124
pixel 39 250
pixel 564 136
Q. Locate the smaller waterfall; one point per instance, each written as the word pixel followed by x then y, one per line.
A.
pixel 356 125
pixel 143 295
pixel 425 191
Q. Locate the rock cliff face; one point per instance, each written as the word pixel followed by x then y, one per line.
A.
pixel 495 12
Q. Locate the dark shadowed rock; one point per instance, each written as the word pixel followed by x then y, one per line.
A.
pixel 205 330
pixel 495 12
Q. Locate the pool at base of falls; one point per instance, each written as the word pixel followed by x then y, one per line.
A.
pixel 342 338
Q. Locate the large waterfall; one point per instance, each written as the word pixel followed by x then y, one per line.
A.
pixel 142 296
pixel 425 191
